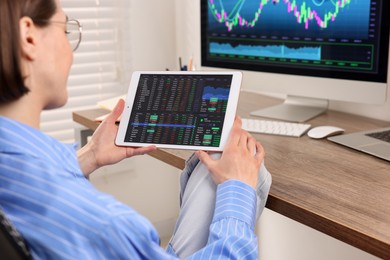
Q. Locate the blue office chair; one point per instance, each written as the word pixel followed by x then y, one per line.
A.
pixel 12 245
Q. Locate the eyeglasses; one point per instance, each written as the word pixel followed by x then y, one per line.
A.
pixel 73 31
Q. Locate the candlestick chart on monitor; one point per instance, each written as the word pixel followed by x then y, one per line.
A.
pixel 320 34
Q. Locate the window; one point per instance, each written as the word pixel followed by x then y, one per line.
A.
pixel 99 63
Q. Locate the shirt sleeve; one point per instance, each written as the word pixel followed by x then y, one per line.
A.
pixel 232 229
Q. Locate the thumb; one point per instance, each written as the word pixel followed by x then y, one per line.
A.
pixel 205 158
pixel 117 111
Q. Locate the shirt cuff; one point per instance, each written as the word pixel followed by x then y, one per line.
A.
pixel 236 199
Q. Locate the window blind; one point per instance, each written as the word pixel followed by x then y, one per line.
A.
pixel 99 62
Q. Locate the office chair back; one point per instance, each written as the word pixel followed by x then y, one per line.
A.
pixel 12 245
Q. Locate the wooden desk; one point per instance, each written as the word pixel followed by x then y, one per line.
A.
pixel 331 188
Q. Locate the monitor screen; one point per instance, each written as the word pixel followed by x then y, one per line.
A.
pixel 328 39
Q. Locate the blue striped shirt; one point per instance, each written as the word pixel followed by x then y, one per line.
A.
pixel 62 216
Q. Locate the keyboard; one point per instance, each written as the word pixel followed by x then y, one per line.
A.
pixel 384 136
pixel 260 126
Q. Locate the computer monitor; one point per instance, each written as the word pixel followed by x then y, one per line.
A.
pixel 312 51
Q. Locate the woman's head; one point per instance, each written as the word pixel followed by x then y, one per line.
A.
pixel 12 84
pixel 34 47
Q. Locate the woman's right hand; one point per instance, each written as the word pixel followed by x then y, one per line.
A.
pixel 101 150
pixel 240 160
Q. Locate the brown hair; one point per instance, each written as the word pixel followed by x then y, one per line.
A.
pixel 11 79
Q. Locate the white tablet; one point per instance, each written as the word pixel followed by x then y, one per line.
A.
pixel 180 110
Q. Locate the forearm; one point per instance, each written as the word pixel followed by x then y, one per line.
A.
pixel 232 229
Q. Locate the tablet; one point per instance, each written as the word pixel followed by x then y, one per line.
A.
pixel 180 110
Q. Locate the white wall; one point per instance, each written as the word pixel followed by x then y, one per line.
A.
pixel 283 238
pixel 153 35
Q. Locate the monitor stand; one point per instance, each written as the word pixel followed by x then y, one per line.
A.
pixel 294 109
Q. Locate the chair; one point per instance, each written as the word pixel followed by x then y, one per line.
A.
pixel 12 245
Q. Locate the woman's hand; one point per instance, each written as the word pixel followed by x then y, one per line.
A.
pixel 101 149
pixel 240 160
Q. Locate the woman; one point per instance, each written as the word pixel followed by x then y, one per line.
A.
pixel 44 189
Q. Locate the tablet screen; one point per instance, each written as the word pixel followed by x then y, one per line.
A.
pixel 185 110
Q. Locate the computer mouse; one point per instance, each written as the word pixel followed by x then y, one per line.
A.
pixel 324 131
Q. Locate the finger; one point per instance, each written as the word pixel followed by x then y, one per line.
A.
pixel 234 137
pixel 116 112
pixel 205 158
pixel 148 149
pixel 243 142
pixel 260 153
pixel 142 150
pixel 239 121
pixel 251 144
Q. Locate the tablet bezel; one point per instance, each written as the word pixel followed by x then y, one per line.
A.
pixel 229 115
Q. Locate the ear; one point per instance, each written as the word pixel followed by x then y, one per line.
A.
pixel 28 38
